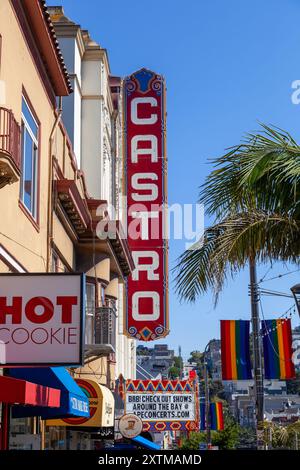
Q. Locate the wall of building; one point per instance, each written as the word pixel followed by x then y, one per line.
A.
pixel 27 241
pixel 101 156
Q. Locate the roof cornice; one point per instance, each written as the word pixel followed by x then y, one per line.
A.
pixel 46 41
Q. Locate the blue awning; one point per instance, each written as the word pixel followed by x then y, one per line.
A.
pixel 73 400
pixel 146 443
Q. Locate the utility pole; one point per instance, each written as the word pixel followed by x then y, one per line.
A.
pixel 180 362
pixel 207 408
pixel 258 374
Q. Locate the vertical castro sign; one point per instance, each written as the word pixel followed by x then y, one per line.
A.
pixel 145 187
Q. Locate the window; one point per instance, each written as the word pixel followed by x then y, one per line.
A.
pixel 90 313
pixel 55 262
pixel 102 294
pixel 58 265
pixel 29 160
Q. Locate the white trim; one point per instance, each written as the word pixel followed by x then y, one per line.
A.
pixel 11 260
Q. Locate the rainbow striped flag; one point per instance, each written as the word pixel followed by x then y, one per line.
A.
pixel 277 344
pixel 235 350
pixel 215 416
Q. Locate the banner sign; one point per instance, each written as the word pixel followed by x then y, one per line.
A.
pixel 145 187
pixel 278 352
pixel 41 319
pixel 235 350
pixel 215 416
pixel 163 404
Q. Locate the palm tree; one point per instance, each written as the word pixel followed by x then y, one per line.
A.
pixel 282 436
pixel 253 193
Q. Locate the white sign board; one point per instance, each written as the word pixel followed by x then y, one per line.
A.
pixel 173 406
pixel 41 319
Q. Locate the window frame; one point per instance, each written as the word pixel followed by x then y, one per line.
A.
pixel 90 315
pixel 25 126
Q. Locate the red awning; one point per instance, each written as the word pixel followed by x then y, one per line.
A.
pixel 17 391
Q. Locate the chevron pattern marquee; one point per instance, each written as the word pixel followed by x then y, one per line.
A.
pixel 164 405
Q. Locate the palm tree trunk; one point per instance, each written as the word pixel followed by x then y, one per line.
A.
pixel 258 375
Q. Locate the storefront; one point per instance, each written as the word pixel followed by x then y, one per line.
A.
pixel 41 388
pixel 87 433
pixel 22 392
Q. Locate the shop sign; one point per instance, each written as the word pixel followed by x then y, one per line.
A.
pixel 130 425
pixel 146 314
pixel 164 404
pixel 101 402
pixel 41 319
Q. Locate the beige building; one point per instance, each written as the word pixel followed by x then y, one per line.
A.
pixel 49 202
pixel 93 118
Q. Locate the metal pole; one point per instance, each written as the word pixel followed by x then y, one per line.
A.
pixel 258 375
pixel 206 385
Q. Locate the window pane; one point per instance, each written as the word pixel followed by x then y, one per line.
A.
pixel 90 313
pixel 90 298
pixel 29 159
pixel 29 118
pixel 28 170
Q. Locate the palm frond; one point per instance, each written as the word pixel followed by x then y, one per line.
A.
pixel 228 246
pixel 265 165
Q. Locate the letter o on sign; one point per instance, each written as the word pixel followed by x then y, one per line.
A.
pixel 36 302
pixel 154 315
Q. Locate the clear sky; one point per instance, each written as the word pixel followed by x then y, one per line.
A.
pixel 228 64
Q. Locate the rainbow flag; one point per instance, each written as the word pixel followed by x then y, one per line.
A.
pixel 235 350
pixel 277 344
pixel 215 416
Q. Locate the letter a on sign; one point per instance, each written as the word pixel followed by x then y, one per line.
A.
pixel 145 172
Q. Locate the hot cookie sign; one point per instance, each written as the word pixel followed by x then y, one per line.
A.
pixel 145 179
pixel 41 319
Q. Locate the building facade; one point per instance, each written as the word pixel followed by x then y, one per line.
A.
pixel 53 194
pixel 93 118
pixel 154 362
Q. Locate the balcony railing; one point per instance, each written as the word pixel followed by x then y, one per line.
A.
pixel 105 326
pixel 100 337
pixel 10 149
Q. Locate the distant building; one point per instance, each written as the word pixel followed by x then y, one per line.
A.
pixel 154 362
pixel 214 359
pixel 279 409
pixel 244 387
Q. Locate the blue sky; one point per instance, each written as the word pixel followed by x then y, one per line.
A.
pixel 227 65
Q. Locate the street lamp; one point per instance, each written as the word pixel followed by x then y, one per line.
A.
pixel 296 293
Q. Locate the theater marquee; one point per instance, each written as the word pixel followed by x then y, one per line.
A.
pixel 164 405
pixel 145 180
pixel 41 319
